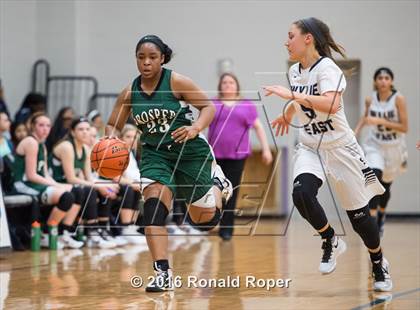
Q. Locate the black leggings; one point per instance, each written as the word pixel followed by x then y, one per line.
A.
pixel 127 199
pixel 380 200
pixel 305 190
pixel 232 169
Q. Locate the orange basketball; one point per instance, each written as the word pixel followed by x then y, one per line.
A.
pixel 110 157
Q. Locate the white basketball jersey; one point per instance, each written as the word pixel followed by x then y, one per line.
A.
pixel 321 77
pixel 388 110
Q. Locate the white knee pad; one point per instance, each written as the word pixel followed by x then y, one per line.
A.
pixel 207 201
pixel 47 195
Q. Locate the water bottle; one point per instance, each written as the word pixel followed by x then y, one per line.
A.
pixel 53 236
pixel 36 236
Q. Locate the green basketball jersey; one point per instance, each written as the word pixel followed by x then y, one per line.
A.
pixel 19 168
pixel 157 115
pixel 57 166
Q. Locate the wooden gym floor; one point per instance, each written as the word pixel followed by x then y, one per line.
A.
pixel 100 279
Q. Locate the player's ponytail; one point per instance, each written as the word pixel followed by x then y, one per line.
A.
pixel 323 40
pixel 164 48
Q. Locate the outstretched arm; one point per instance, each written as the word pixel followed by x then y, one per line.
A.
pixel 328 102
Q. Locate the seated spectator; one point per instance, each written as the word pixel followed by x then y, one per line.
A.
pixel 70 163
pixel 32 103
pixel 3 105
pixel 93 134
pixel 130 210
pixel 95 119
pixel 18 131
pixel 6 146
pixel 60 127
pixel 31 177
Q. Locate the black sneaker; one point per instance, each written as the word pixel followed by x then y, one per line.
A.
pixel 382 279
pixel 225 234
pixel 162 282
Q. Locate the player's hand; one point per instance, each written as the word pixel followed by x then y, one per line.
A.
pixel 373 120
pixel 278 90
pixel 109 190
pixel 184 133
pixel 418 145
pixel 281 125
pixel 267 157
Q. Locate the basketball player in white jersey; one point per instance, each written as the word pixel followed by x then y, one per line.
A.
pixel 385 147
pixel 327 145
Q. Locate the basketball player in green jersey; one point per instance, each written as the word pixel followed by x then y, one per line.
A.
pixel 176 159
pixel 31 177
pixel 70 163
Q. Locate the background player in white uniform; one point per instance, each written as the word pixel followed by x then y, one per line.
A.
pixel 385 147
pixel 327 145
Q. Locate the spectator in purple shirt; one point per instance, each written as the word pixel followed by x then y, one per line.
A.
pixel 229 136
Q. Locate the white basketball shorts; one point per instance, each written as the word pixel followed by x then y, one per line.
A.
pixel 346 168
pixel 390 159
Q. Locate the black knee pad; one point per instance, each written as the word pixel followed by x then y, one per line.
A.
pixel 104 208
pixel 384 198
pixel 207 225
pixel 365 225
pixel 77 192
pixel 155 212
pixel 305 190
pixel 130 199
pixel 65 202
pixel 89 208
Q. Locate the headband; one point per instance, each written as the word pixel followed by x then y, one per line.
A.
pixel 152 39
pixel 383 70
pixel 92 115
pixel 77 121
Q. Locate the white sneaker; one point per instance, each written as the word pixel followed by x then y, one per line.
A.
pixel 45 242
pixel 223 183
pixel 68 242
pixel 96 241
pixel 105 234
pixel 332 248
pixel 382 279
pixel 132 236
